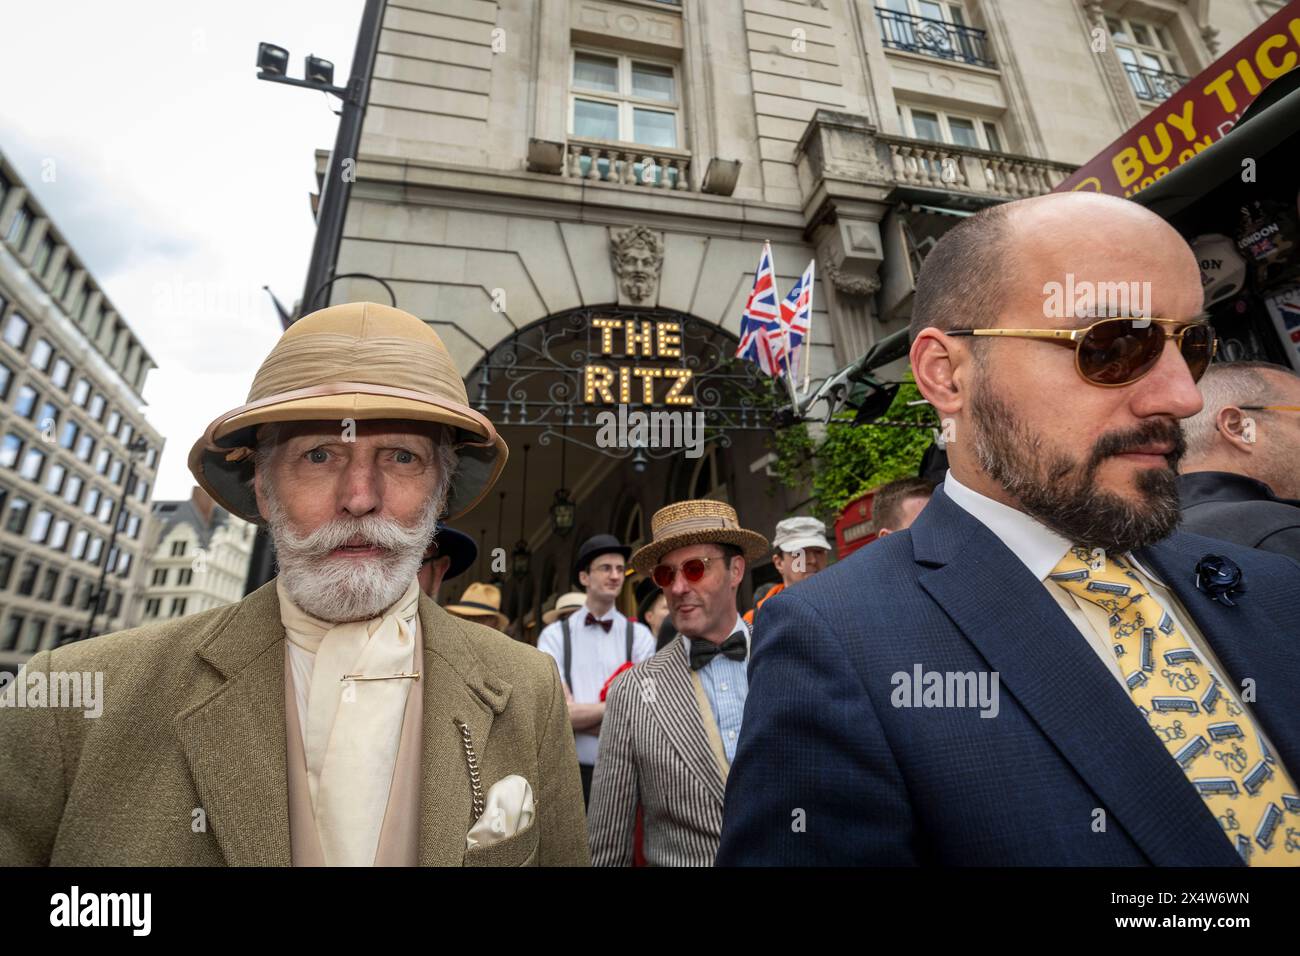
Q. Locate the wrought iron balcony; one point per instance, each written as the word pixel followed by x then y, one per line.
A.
pixel 947 41
pixel 1154 85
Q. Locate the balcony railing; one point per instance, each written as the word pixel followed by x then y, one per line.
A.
pixel 1154 85
pixel 928 165
pixel 947 41
pixel 642 166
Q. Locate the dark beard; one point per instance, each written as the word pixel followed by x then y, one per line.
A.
pixel 1064 495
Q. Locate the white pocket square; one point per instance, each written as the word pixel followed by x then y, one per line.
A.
pixel 507 810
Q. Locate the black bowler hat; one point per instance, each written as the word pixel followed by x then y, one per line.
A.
pixel 456 545
pixel 593 548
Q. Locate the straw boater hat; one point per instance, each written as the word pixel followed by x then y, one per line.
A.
pixel 565 604
pixel 696 522
pixel 360 361
pixel 480 601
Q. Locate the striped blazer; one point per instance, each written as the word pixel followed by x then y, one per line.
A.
pixel 660 749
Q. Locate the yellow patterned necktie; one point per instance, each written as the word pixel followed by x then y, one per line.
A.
pixel 1206 732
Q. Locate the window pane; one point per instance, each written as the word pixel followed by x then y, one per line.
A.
pixel 16 331
pixel 61 373
pixel 595 72
pixel 931 11
pixel 595 120
pixel 991 134
pixel 963 132
pixel 654 128
pixel 1126 55
pixel 653 82
pixel 26 401
pixel 1141 34
pixel 926 126
pixel 1153 62
pixel 81 392
pixel 72 493
pixel 1117 29
pixel 1163 38
pixel 41 354
pixel 32 464
pixel 9 449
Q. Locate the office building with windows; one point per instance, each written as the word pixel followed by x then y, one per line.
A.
pixel 575 194
pixel 71 427
pixel 200 557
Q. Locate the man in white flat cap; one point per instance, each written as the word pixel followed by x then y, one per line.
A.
pixel 336 716
pixel 799 550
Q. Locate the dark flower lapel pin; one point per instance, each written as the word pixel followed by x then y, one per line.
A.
pixel 1220 578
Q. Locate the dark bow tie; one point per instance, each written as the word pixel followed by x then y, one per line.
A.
pixel 703 651
pixel 605 625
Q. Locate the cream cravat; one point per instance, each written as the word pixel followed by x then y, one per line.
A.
pixel 353 728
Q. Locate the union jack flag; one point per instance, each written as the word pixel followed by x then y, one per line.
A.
pixel 761 332
pixel 796 314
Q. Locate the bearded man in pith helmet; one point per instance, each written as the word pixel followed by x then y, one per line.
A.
pixel 335 716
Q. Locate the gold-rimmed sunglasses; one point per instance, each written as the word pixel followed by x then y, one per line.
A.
pixel 1115 352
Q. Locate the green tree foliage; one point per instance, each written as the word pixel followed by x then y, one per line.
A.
pixel 853 459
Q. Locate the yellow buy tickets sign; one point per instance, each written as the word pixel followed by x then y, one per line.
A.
pixel 1196 116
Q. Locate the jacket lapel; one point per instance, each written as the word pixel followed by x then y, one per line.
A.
pixel 456 691
pixel 677 713
pixel 1256 640
pixel 234 739
pixel 1056 677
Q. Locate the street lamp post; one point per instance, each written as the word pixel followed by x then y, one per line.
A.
pixel 336 188
pixel 134 450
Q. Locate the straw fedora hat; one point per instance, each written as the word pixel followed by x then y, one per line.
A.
pixel 696 522
pixel 480 601
pixel 359 361
pixel 565 603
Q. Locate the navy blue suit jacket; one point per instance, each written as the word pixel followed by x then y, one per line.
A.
pixel 828 772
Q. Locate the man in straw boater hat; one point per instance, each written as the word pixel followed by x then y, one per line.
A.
pixel 336 715
pixel 671 724
pixel 480 603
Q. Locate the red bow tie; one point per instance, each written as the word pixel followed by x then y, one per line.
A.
pixel 606 625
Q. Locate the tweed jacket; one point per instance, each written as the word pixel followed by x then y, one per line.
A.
pixel 659 748
pixel 186 765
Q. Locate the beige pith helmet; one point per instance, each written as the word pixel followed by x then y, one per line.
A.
pixel 361 361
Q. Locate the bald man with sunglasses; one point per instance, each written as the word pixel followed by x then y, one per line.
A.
pixel 1041 671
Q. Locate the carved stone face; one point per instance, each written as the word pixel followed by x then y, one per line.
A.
pixel 637 269
pixel 638 258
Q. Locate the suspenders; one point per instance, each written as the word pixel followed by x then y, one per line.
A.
pixel 568 650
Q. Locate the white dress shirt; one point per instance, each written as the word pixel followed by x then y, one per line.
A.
pixel 1040 549
pixel 596 655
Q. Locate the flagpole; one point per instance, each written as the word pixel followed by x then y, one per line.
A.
pixel 785 333
pixel 807 337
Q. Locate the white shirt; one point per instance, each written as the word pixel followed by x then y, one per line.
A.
pixel 596 655
pixel 1040 549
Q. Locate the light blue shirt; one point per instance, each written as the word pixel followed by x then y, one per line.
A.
pixel 726 684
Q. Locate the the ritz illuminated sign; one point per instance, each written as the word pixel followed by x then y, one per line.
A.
pixel 640 340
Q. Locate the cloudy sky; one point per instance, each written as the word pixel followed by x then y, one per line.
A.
pixel 181 180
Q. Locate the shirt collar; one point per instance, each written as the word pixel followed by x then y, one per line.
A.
pixel 1036 545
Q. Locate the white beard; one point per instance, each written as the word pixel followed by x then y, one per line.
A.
pixel 339 590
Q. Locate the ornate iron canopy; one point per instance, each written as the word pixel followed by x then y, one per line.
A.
pixel 559 374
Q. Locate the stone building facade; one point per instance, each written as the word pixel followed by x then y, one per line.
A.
pixel 78 458
pixel 200 554
pixel 531 167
